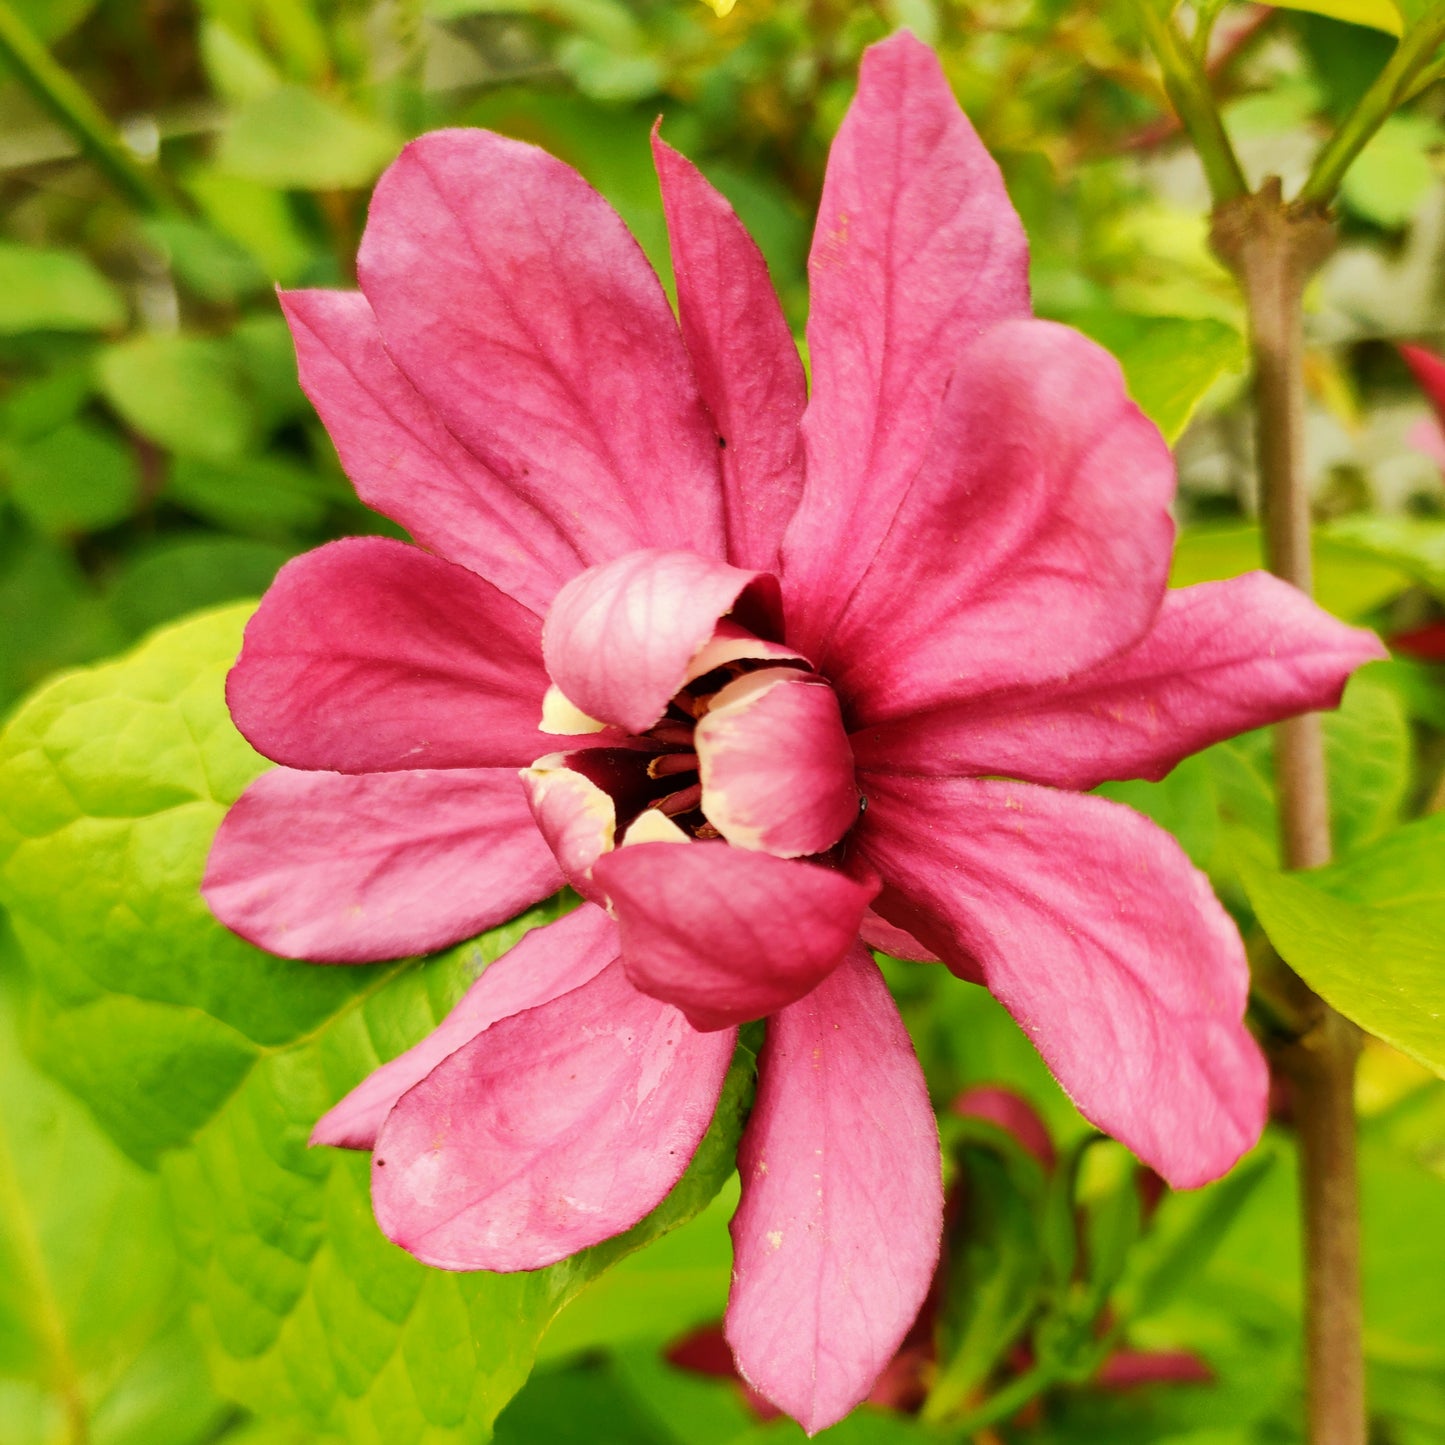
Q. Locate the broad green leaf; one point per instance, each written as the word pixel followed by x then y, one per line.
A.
pixel 1376 14
pixel 1348 581
pixel 341 149
pixel 1367 934
pixel 1169 361
pixel 184 392
pixel 309 1313
pixel 198 1051
pixel 77 478
pixel 91 1333
pixel 47 290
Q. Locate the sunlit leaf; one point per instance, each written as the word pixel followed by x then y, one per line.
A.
pixel 1349 581
pixel 1169 361
pixel 294 138
pixel 90 1315
pixel 1376 14
pixel 1367 933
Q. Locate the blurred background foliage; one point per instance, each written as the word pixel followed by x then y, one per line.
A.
pixel 175 1268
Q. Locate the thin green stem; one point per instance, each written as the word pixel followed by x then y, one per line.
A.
pixel 1425 78
pixel 1189 92
pixel 57 90
pixel 1390 89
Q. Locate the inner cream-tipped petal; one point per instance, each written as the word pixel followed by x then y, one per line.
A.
pixel 733 643
pixel 576 817
pixel 654 826
pixel 775 764
pixel 562 716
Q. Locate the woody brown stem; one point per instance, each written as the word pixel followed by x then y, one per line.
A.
pixel 1273 249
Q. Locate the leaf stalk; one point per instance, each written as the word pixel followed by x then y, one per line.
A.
pixel 59 93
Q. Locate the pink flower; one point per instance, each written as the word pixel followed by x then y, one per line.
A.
pixel 1428 434
pixel 852 658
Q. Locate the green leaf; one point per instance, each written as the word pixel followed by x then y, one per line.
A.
pixel 1348 580
pixel 1368 754
pixel 341 149
pixel 184 392
pixel 656 1295
pixel 265 496
pixel 77 478
pixel 195 1049
pixel 159 582
pixel 995 1272
pixel 1394 173
pixel 1169 361
pixel 91 1336
pixel 1367 934
pixel 1414 545
pixel 1376 14
pixel 46 290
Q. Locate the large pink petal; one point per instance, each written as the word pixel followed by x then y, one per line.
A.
pixel 836 1235
pixel 619 638
pixel 368 655
pixel 743 355
pixel 1102 940
pixel 512 296
pixel 405 463
pixel 917 250
pixel 776 769
pixel 1033 541
pixel 547 963
pixel 339 868
pixel 553 1130
pixel 727 935
pixel 1220 659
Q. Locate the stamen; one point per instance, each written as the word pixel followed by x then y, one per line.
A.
pixel 671 732
pixel 679 802
pixel 666 764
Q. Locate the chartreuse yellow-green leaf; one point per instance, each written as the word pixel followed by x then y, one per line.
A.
pixel 1366 933
pixel 206 1057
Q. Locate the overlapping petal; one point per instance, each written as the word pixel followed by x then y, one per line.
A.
pixel 547 963
pixel 619 638
pixel 552 1130
pixel 727 935
pixel 368 655
pixel 1136 1005
pixel 776 768
pixel 837 1233
pixel 917 250
pixel 743 356
pixel 338 868
pixel 514 299
pixel 1220 659
pixel 1033 541
pixel 405 463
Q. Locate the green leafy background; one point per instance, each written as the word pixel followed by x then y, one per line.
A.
pixel 176 1266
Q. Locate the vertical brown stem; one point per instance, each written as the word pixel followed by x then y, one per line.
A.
pixel 1274 249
